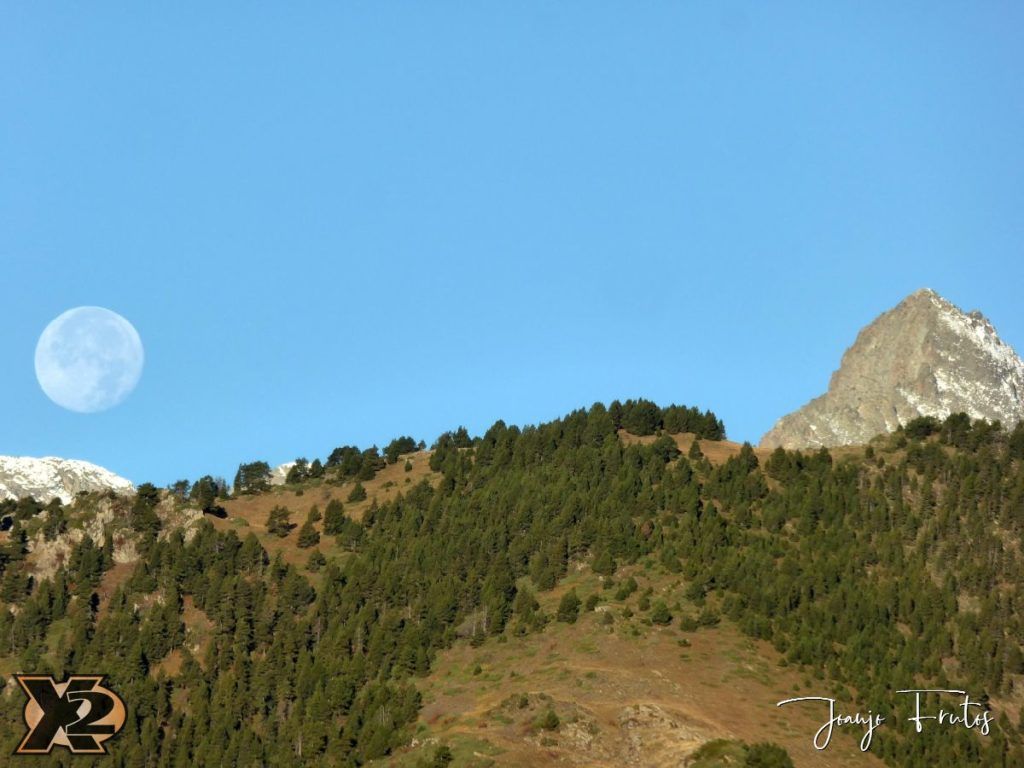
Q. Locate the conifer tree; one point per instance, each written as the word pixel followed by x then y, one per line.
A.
pixel 308 534
pixel 279 522
pixel 358 493
pixel 568 608
pixel 334 517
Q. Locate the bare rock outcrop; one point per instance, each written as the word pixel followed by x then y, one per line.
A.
pixel 925 357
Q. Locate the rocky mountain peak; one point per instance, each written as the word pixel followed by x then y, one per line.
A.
pixel 54 478
pixel 924 357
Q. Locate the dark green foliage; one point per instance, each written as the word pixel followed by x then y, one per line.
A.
pixel 447 448
pixel 334 517
pixel 309 536
pixel 372 461
pixel 548 565
pixel 56 520
pixel 299 471
pixel 443 757
pixel 349 462
pixel 461 438
pixel 604 564
pixel 1016 443
pixel 279 521
pixel 767 755
pixel 627 588
pixel 956 429
pixel 206 491
pixel 921 427
pixel 347 459
pixel 568 608
pixel 706 425
pixel 144 518
pixel 642 417
pixel 708 618
pixel 660 614
pixel 351 534
pixel 398 447
pixel 179 489
pixel 15 586
pixel 548 720
pixel 724 752
pixel 253 477
pixel 748 459
pixel 665 448
pixel 316 561
pixel 358 493
pixel 719 753
pixel 869 574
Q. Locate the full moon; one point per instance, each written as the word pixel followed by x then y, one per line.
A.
pixel 89 359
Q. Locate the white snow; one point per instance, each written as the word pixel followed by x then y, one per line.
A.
pixel 280 472
pixel 51 477
pixel 960 365
pixel 977 330
pixel 982 401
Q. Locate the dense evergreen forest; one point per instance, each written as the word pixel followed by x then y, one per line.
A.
pixel 874 570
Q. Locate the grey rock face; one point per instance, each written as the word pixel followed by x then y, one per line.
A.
pixel 925 357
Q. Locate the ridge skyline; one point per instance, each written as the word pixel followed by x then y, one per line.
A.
pixel 277 459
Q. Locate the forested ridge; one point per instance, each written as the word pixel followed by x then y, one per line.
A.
pixel 874 570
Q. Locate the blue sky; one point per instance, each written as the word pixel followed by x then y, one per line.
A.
pixel 350 221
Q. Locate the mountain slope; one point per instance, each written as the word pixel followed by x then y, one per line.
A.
pixel 570 593
pixel 925 357
pixel 51 478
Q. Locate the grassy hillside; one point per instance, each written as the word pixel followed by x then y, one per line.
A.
pixel 625 691
pixel 598 590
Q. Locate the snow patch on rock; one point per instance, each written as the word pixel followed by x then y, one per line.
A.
pixel 51 478
pixel 925 357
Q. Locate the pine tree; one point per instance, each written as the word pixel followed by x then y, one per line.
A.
pixel 767 755
pixel 695 453
pixel 568 608
pixel 143 515
pixel 604 564
pixel 308 535
pixel 253 477
pixel 299 471
pixel 279 522
pixel 316 561
pixel 549 721
pixel 660 614
pixel 443 757
pixel 358 493
pixel 334 517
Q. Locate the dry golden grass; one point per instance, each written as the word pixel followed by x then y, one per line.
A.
pixel 169 666
pixel 724 685
pixel 249 513
pixel 719 451
pixel 114 577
